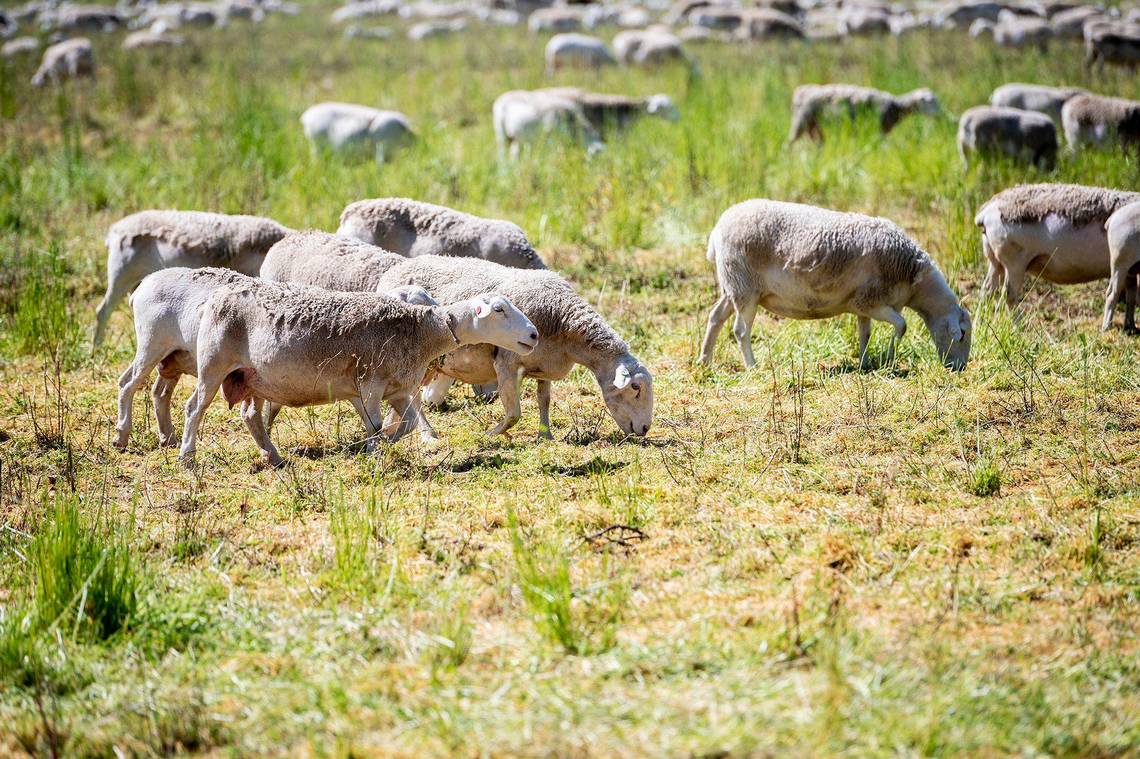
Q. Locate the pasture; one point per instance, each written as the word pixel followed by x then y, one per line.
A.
pixel 802 559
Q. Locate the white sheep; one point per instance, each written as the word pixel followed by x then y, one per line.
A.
pixel 1123 232
pixel 150 38
pixel 810 102
pixel 321 259
pixel 555 20
pixel 521 116
pixel 648 47
pixel 412 228
pixel 145 242
pixel 571 332
pixel 1013 30
pixel 804 262
pixel 267 342
pixel 605 111
pixel 70 59
pixel 1098 121
pixel 19 46
pixel 1022 135
pixel 1034 97
pixel 577 50
pixel 1052 231
pixel 347 127
pixel 425 30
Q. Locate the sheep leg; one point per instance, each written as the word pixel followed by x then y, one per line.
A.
pixel 544 387
pixel 129 383
pixel 117 289
pixel 252 416
pixel 409 417
pixel 895 319
pixel 1014 282
pixel 509 374
pixel 864 324
pixel 203 395
pixel 995 275
pixel 162 393
pixel 372 415
pixel 1113 295
pixel 742 329
pixel 271 412
pixel 717 317
pixel 1130 286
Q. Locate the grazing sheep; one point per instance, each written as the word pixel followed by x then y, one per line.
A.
pixel 145 242
pixel 1052 231
pixel 1117 47
pixel 1012 30
pixel 617 111
pixel 367 32
pixel 429 29
pixel 804 262
pixel 349 127
pixel 1097 120
pixel 1034 97
pixel 858 19
pixel 523 115
pixel 321 259
pixel 167 308
pixel 1022 135
pixel 149 38
pixel 759 24
pixel 85 18
pixel 648 47
pixel 555 20
pixel 364 9
pixel 571 332
pixel 1123 232
pixel 571 50
pixel 19 46
pixel 69 59
pixel 811 101
pixel 263 341
pixel 966 13
pixel 1071 22
pixel 411 228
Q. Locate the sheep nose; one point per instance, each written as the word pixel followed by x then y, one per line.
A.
pixel 644 428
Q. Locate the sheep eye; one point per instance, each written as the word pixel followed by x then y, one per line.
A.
pixel 499 309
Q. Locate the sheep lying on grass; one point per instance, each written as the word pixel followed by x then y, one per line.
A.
pixel 326 260
pixel 1099 121
pixel 349 127
pixel 1053 231
pixel 263 341
pixel 811 101
pixel 148 241
pixel 804 262
pixel 1021 135
pixel 1123 232
pixel 411 228
pixel 70 59
pixel 1035 97
pixel 571 332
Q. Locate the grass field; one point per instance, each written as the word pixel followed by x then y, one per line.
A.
pixel 810 560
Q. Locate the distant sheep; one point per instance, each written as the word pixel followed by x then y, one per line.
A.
pixel 412 228
pixel 804 262
pixel 605 111
pixel 1098 121
pixel 648 47
pixel 148 241
pixel 349 127
pixel 19 46
pixel 1052 231
pixel 431 29
pixel 522 116
pixel 148 38
pixel 1123 232
pixel 811 101
pixel 70 59
pixel 1117 47
pixel 555 20
pixel 1022 135
pixel 577 50
pixel 1035 97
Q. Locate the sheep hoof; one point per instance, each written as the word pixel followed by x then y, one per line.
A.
pixel 545 435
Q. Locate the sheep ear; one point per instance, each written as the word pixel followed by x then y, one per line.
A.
pixel 482 309
pixel 622 378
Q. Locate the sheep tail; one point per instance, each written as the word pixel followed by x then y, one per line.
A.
pixel 711 255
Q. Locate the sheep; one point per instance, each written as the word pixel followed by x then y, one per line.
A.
pixel 1071 22
pixel 522 115
pixel 1117 47
pixel 88 18
pixel 1012 30
pixel 1098 120
pixel 1052 231
pixel 267 342
pixel 70 59
pixel 167 308
pixel 354 31
pixel 804 262
pixel 764 24
pixel 149 38
pixel 145 242
pixel 348 127
pixel 987 129
pixel 411 228
pixel 19 46
pixel 1123 233
pixel 571 332
pixel 857 19
pixel 429 29
pixel 577 50
pixel 604 111
pixel 649 46
pixel 1035 97
pixel 555 20
pixel 321 259
pixel 354 11
pixel 810 101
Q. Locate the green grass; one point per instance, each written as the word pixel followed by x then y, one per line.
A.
pixel 800 560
